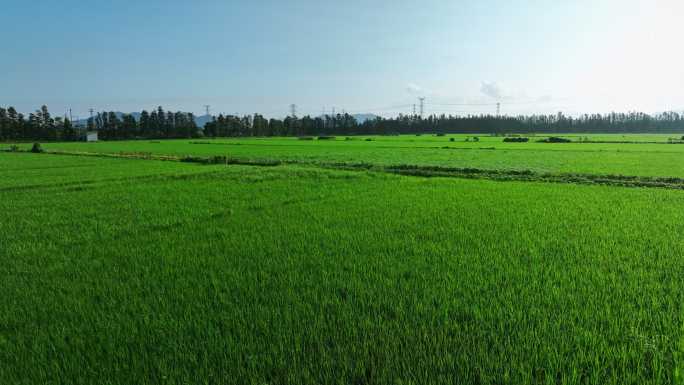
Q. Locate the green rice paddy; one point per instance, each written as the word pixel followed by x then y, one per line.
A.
pixel 130 270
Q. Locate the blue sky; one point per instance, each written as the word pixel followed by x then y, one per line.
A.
pixel 261 56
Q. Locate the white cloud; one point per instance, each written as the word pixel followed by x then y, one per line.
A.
pixel 493 90
pixel 414 89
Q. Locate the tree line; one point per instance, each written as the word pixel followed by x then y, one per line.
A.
pixel 345 124
pixel 160 124
pixel 634 122
pixel 40 125
pixel 257 125
pixel 157 124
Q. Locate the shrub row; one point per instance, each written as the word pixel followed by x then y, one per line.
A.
pixel 555 139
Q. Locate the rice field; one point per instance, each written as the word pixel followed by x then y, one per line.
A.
pixel 122 270
pixel 650 155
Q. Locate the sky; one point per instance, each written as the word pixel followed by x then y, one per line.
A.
pixel 355 56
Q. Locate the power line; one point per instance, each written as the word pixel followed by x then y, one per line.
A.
pixel 418 108
pixel 488 104
pixel 90 121
pixel 462 104
pixel 481 112
pixel 394 107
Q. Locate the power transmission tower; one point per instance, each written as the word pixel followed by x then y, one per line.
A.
pixel 498 108
pixel 414 109
pixel 422 106
pixel 206 108
pixel 293 110
pixel 90 121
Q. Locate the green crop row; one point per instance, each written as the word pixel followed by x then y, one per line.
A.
pixel 118 271
pixel 489 153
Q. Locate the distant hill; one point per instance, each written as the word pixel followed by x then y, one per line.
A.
pixel 200 121
pixel 360 118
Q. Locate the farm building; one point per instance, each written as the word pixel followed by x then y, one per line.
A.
pixel 91 136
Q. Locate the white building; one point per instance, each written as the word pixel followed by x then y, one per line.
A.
pixel 91 136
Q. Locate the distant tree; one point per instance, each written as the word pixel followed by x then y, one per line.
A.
pixel 40 125
pixel 145 124
pixel 259 126
pixel 15 124
pixel 192 129
pixel 113 126
pixel 160 123
pixel 129 126
pixel 90 124
pixel 169 130
pixel 4 124
pixel 68 131
pixel 276 127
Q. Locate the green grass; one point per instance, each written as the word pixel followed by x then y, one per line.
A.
pixel 121 271
pixel 490 153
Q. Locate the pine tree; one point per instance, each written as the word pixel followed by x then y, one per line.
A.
pixel 145 124
pixel 129 127
pixel 4 124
